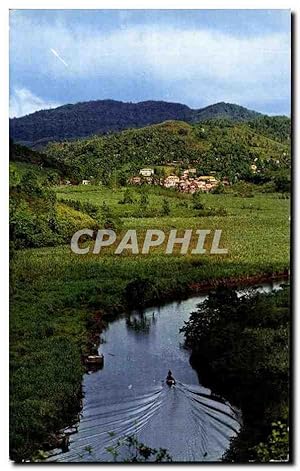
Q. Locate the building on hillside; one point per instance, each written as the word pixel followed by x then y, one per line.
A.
pixel 135 181
pixel 183 186
pixel 86 182
pixel 201 185
pixel 193 187
pixel 253 168
pixel 209 187
pixel 189 171
pixel 171 181
pixel 146 172
pixel 206 178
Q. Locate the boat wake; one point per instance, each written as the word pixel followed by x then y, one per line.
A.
pixel 191 423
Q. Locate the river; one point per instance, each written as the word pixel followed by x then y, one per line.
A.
pixel 129 395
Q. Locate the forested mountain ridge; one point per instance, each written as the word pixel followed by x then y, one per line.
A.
pixel 224 110
pixel 84 119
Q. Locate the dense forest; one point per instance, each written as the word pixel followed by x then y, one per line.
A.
pixel 105 116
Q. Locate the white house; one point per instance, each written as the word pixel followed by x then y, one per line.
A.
pixel 171 181
pixel 146 172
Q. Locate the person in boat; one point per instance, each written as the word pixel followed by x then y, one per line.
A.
pixel 170 378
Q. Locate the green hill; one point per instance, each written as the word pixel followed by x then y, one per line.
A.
pixel 275 127
pixel 224 110
pixel 216 145
pixel 85 119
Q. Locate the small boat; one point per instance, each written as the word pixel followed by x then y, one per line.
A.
pixel 95 360
pixel 169 379
pixel 170 382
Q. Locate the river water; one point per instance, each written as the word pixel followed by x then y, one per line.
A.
pixel 129 395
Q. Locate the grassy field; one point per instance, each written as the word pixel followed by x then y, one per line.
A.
pixel 56 293
pixel 255 230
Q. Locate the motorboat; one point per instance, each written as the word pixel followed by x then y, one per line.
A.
pixel 170 380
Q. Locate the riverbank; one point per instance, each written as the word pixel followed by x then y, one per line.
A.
pixel 105 380
pixel 57 296
pixel 68 313
pixel 240 348
pixel 130 397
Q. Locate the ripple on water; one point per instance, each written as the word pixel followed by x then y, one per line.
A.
pixel 184 419
pixel 129 396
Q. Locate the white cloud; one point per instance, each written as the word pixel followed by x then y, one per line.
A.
pixel 24 102
pixel 190 64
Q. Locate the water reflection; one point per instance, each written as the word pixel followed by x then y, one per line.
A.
pixel 130 395
pixel 140 322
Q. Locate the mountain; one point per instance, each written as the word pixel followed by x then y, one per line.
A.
pixel 85 119
pixel 224 110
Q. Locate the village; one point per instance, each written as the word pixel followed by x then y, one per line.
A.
pixel 187 182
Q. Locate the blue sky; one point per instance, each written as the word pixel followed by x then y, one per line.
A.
pixel 196 57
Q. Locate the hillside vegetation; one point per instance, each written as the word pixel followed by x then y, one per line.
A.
pixel 104 116
pixel 37 219
pixel 217 145
pixel 275 127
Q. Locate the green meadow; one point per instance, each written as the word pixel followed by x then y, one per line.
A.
pixel 56 294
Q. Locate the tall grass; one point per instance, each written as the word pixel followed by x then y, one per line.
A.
pixel 55 293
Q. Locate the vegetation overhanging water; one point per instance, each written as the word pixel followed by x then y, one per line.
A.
pixel 129 396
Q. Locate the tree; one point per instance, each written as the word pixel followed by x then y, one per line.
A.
pixel 243 343
pixel 52 179
pixel 166 210
pixel 283 182
pixel 32 213
pixel 276 448
pixel 127 197
pixel 29 183
pixel 197 203
pixel 219 189
pixel 110 221
pixel 122 178
pixel 140 292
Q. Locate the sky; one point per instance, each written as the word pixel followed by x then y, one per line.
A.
pixel 195 57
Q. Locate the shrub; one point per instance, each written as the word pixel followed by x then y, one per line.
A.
pixel 166 210
pixel 197 203
pixel 140 292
